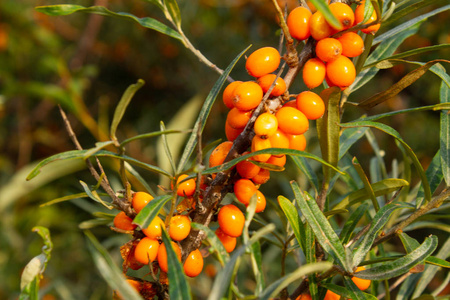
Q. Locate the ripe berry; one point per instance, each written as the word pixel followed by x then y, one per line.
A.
pixel 266 125
pixel 262 177
pixel 362 284
pixel 185 188
pixel 319 27
pixel 154 230
pixel 247 96
pixel 331 296
pixel 232 133
pixel 179 227
pixel 266 81
pixel 162 255
pixel 277 160
pixel 219 154
pixel 193 265
pixel 229 242
pixel 244 189
pixel 260 202
pixel 352 44
pixel 359 17
pixel 313 73
pixel 231 220
pixel 298 23
pixel 341 71
pixel 146 250
pixel 279 140
pixel 246 169
pixel 228 95
pixel 263 61
pixel 344 14
pixel 259 143
pixel 297 142
pixel 237 119
pixel 140 200
pixel 304 297
pixel 124 222
pixel 328 49
pixel 292 121
pixel 311 105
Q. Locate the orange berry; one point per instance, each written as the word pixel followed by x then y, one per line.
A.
pixel 193 265
pixel 279 140
pixel 185 188
pixel 229 242
pixel 247 96
pixel 219 154
pixel 328 49
pixel 266 81
pixel 232 133
pixel 292 121
pixel 298 23
pixel 319 27
pixel 263 61
pixel 314 72
pixel 362 284
pixel 259 143
pixel 228 94
pixel 291 103
pixel 297 142
pixel 331 296
pixel 247 169
pixel 244 189
pixel 359 17
pixel 266 124
pixel 146 250
pixel 154 230
pixel 140 200
pixel 231 220
pixel 344 14
pixel 341 71
pixel 262 177
pixel 311 105
pixel 237 119
pixel 352 44
pixel 260 202
pixel 124 222
pixel 277 160
pixel 162 255
pixel 304 297
pixel 179 227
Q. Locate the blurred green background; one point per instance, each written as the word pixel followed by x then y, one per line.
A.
pixel 85 62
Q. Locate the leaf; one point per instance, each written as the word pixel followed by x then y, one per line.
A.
pixel 409 151
pixel 256 258
pixel 352 221
pixel 348 138
pixel 66 9
pixel 355 292
pixel 323 7
pixel 445 134
pixel 404 8
pixel 402 265
pixel 294 220
pixel 434 176
pixel 396 88
pixel 408 242
pixel 122 106
pixel 222 255
pixel 64 198
pixel 204 113
pixel 367 185
pixel 322 229
pixel 276 287
pixel 178 287
pixel 306 169
pixel 148 135
pixel 109 271
pixel 174 11
pixel 166 147
pixel 432 260
pixel 344 291
pixel 151 210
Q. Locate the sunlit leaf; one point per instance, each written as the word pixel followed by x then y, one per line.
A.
pixel 174 11
pixel 151 210
pixel 148 135
pixel 323 7
pixel 445 134
pixel 294 220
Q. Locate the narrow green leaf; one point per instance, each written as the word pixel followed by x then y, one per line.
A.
pixel 434 176
pixel 178 287
pixel 307 170
pixel 166 146
pixel 402 265
pixel 348 138
pixel 174 11
pixel 31 291
pixel 204 113
pixel 94 195
pixel 222 255
pixel 404 8
pixel 445 134
pixel 108 269
pixel 66 9
pixel 344 291
pixel 352 221
pixel 137 180
pixel 74 154
pixel 355 292
pixel 149 135
pixel 323 7
pixel 310 256
pixel 89 224
pixel 276 287
pixel 64 198
pixel 98 146
pixel 367 185
pixel 256 258
pixel 408 242
pixel 157 3
pixel 432 260
pixel 151 210
pixel 294 220
pixel 322 229
pixel 122 106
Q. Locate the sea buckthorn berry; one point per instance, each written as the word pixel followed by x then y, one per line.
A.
pixel 298 23
pixel 185 188
pixel 291 103
pixel 146 250
pixel 341 71
pixel 259 143
pixel 263 61
pixel 328 49
pixel 219 154
pixel 247 169
pixel 231 220
pixel 262 177
pixel 247 96
pixel 140 200
pixel 179 227
pixel 244 189
pixel 352 44
pixel 314 72
pixel 124 222
pixel 228 94
pixel 232 133
pixel 292 121
pixel 304 297
pixel 277 160
pixel 154 230
pixel 266 81
pixel 359 17
pixel 260 202
pixel 193 265
pixel 362 284
pixel 297 142
pixel 162 255
pixel 237 119
pixel 229 242
pixel 266 124
pixel 319 27
pixel 279 140
pixel 331 296
pixel 344 14
pixel 311 105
